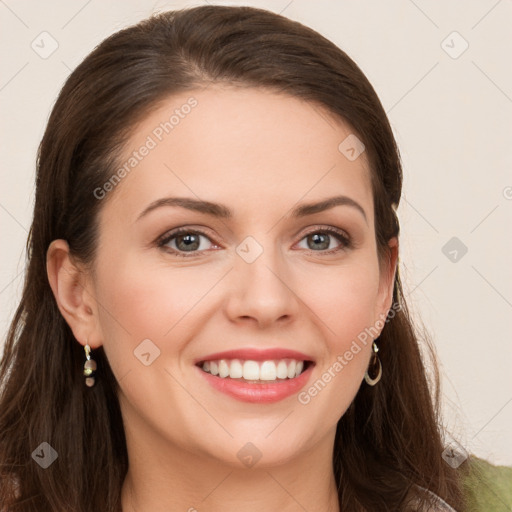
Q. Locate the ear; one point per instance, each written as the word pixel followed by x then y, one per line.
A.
pixel 387 281
pixel 73 293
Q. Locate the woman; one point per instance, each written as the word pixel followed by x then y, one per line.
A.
pixel 212 314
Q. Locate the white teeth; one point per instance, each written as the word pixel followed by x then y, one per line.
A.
pixel 236 370
pixel 291 369
pixel 251 370
pixel 214 368
pixel 282 370
pixel 223 369
pixel 268 371
pixel 255 370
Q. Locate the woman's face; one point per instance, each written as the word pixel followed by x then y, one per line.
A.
pixel 252 270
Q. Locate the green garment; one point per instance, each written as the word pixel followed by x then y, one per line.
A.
pixel 488 488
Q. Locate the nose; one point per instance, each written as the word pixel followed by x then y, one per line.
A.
pixel 263 291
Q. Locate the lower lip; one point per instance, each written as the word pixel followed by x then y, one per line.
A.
pixel 270 392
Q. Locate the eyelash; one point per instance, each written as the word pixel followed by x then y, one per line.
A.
pixel 342 237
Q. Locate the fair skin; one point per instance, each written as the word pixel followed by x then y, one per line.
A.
pixel 260 154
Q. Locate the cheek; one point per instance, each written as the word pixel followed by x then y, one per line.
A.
pixel 149 298
pixel 141 300
pixel 344 299
pixel 145 301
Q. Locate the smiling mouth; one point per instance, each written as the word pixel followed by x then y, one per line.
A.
pixel 250 371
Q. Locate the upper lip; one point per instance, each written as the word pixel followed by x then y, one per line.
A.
pixel 254 354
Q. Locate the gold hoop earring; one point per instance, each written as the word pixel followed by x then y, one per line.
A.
pixel 374 365
pixel 89 367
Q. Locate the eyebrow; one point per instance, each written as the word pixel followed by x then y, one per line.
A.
pixel 223 212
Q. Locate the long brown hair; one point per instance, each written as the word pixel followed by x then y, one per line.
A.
pixel 389 439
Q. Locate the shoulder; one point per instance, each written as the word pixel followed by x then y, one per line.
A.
pixel 424 498
pixel 486 486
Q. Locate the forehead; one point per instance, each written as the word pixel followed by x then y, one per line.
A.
pixel 245 147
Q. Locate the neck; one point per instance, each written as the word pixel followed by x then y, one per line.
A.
pixel 173 479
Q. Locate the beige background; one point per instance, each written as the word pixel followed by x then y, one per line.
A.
pixel 451 112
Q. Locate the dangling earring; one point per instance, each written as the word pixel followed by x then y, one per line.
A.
pixel 89 367
pixel 374 363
